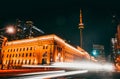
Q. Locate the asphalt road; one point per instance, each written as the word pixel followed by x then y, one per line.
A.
pixel 14 74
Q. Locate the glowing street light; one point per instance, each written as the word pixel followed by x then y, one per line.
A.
pixel 10 29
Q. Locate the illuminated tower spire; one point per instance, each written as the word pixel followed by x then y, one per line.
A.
pixel 81 27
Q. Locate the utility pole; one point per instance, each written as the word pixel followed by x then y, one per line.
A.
pixel 81 27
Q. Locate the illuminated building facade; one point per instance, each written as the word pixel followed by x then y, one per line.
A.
pixel 116 48
pixel 40 50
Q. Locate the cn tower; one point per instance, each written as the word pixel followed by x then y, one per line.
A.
pixel 81 27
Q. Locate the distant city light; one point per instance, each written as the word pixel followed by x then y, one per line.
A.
pixel 95 53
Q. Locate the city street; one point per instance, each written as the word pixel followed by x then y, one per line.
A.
pixel 30 74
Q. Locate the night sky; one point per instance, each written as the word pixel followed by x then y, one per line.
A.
pixel 61 17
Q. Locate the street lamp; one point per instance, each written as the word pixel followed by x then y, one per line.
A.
pixel 10 29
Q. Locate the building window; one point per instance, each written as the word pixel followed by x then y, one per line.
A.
pixel 30 54
pixel 29 61
pixel 6 62
pixel 43 47
pixel 20 49
pixel 7 55
pixel 8 50
pixel 16 55
pixel 13 55
pixel 25 61
pixel 19 54
pixel 33 61
pixel 34 54
pixel 10 55
pixel 11 50
pixel 17 49
pixel 45 54
pixel 27 49
pixel 26 54
pixel 59 49
pixel 22 62
pixel 15 62
pixel 30 48
pixel 23 49
pixel 46 47
pixel 14 50
pixel 23 55
pixel 12 62
pixel 18 61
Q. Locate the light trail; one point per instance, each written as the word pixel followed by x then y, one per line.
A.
pixel 82 67
pixel 54 75
pixel 45 72
pixel 91 66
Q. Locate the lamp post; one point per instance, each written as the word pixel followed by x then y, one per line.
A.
pixel 8 30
